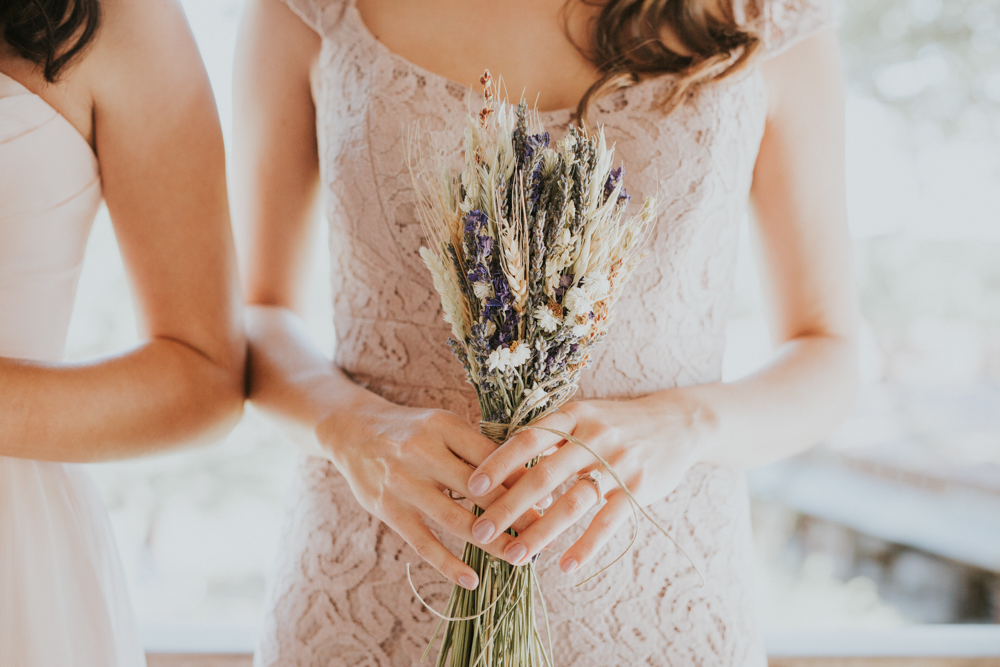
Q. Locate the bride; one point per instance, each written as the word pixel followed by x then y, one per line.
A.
pixel 101 99
pixel 712 105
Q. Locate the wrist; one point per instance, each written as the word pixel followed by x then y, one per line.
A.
pixel 706 423
pixel 339 413
pixel 691 413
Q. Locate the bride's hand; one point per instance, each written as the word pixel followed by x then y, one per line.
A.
pixel 651 442
pixel 400 460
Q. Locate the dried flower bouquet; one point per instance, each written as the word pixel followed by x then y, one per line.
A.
pixel 530 248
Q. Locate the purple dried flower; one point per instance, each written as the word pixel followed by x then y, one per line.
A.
pixel 475 220
pixel 479 274
pixel 614 179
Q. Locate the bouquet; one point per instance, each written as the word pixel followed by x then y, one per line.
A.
pixel 529 247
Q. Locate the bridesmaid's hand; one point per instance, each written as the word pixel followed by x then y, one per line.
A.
pixel 651 442
pixel 399 462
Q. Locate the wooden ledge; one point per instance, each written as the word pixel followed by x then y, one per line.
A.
pixel 243 660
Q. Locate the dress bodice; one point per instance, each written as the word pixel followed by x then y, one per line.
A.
pixel 50 190
pixel 698 161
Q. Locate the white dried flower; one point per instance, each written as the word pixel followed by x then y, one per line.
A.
pixel 581 326
pixel 597 286
pixel 505 359
pixel 578 301
pixel 536 398
pixel 546 318
pixel 499 360
pixel 519 354
pixel 483 291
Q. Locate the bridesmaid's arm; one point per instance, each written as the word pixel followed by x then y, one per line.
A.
pixel 159 145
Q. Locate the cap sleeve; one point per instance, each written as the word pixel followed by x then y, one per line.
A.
pixel 784 23
pixel 316 13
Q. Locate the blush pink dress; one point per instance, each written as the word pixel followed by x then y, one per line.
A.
pixel 63 596
pixel 339 594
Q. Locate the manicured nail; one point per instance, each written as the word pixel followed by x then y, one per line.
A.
pixel 548 546
pixel 467 581
pixel 484 531
pixel 544 502
pixel 479 484
pixel 568 565
pixel 515 553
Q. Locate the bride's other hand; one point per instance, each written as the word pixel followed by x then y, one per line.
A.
pixel 401 461
pixel 651 442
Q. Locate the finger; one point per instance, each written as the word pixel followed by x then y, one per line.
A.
pixel 517 451
pixel 602 527
pixel 466 441
pixel 519 472
pixel 537 483
pixel 566 511
pixel 429 548
pixel 544 503
pixel 458 521
pixel 454 474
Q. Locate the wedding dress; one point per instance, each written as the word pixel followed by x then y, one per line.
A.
pixel 339 594
pixel 63 597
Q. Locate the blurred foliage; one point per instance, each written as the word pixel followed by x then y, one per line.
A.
pixel 938 61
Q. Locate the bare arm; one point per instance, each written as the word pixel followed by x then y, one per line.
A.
pixel 803 241
pixel 806 389
pixel 397 459
pixel 159 145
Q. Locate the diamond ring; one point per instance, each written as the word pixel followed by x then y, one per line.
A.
pixel 594 477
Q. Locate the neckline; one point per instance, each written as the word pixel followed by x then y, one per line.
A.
pixel 27 91
pixel 367 34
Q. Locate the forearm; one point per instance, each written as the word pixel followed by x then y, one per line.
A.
pixel 291 379
pixel 154 397
pixel 801 395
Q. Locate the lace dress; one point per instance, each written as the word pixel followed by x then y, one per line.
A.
pixel 339 594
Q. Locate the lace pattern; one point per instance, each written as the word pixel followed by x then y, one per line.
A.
pixel 339 594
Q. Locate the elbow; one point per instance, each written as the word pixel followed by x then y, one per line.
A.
pixel 847 382
pixel 231 386
pixel 219 388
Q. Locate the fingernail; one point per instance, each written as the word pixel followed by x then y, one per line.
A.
pixel 515 553
pixel 467 581
pixel 568 565
pixel 484 531
pixel 479 484
pixel 544 502
pixel 548 546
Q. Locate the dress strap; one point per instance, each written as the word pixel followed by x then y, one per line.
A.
pixel 784 23
pixel 320 15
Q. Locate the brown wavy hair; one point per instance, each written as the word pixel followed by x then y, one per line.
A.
pixel 627 46
pixel 50 33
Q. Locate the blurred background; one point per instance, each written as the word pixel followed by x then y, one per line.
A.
pixel 893 521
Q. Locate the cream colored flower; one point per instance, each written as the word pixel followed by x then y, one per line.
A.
pixel 537 398
pixel 519 354
pixel 578 301
pixel 499 360
pixel 546 318
pixel 483 290
pixel 597 286
pixel 582 326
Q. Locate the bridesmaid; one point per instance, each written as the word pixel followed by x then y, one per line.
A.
pixel 101 99
pixel 713 106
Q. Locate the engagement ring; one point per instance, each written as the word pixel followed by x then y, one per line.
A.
pixel 594 477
